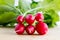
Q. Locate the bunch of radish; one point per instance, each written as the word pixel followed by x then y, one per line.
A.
pixel 40 27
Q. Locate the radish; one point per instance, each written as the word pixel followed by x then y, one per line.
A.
pixel 20 19
pixel 19 28
pixel 39 17
pixel 30 29
pixel 42 28
pixel 30 19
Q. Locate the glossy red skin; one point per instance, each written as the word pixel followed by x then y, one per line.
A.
pixel 30 19
pixel 19 28
pixel 39 17
pixel 20 19
pixel 42 28
pixel 30 29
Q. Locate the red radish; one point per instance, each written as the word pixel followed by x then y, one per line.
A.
pixel 42 28
pixel 19 28
pixel 30 29
pixel 30 19
pixel 39 17
pixel 20 19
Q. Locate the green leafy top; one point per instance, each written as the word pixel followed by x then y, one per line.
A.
pixel 48 7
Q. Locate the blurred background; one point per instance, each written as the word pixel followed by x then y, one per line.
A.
pixel 10 9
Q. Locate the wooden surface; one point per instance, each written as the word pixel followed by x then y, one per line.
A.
pixel 9 34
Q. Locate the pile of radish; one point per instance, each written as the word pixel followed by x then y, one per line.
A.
pixel 40 27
